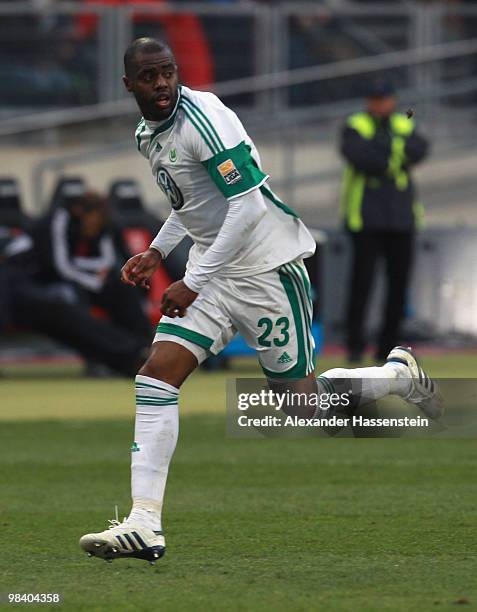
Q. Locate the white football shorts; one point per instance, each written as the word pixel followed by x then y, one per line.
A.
pixel 272 311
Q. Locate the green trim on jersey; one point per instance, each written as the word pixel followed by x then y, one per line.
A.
pixel 234 171
pixel 187 334
pixel 199 127
pixel 296 291
pixel 139 132
pixel 205 122
pixel 168 123
pixel 268 193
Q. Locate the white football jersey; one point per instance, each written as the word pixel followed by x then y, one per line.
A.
pixel 201 156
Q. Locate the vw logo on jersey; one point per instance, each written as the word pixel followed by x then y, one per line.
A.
pixel 170 189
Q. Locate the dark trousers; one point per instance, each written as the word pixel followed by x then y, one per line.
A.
pixel 74 326
pixel 397 250
pixel 124 306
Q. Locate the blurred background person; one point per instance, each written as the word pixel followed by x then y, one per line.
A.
pixel 80 252
pixel 27 304
pixel 381 210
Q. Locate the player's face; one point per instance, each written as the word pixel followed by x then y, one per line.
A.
pixel 154 84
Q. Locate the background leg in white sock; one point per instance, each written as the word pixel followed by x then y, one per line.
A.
pixel 155 438
pixel 369 384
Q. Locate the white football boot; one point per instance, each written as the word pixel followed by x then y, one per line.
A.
pixel 424 391
pixel 125 540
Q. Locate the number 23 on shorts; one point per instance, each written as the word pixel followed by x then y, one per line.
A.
pixel 281 325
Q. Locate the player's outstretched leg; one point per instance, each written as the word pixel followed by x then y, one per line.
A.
pixel 140 535
pixel 401 375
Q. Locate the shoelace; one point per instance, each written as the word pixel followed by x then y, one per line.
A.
pixel 113 523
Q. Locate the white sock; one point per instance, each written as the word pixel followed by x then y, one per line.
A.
pixel 155 438
pixel 376 382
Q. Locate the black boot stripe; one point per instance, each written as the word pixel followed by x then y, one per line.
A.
pixel 121 541
pixel 139 539
pixel 131 542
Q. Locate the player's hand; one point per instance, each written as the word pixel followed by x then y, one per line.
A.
pixel 138 270
pixel 176 299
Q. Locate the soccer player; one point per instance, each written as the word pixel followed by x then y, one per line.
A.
pixel 245 274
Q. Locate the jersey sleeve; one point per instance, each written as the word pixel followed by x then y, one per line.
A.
pixel 218 140
pixel 169 236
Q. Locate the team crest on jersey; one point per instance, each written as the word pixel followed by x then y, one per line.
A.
pixel 229 172
pixel 173 156
pixel 170 188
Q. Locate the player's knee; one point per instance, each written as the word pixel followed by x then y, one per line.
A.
pixel 170 363
pixel 161 367
pixel 344 384
pixel 340 380
pixel 152 369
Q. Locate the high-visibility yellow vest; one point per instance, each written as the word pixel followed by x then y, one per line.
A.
pixel 354 182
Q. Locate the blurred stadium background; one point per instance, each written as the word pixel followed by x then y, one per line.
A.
pixel 293 71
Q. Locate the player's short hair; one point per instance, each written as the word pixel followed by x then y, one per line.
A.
pixel 142 46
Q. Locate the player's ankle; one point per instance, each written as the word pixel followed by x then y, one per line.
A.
pixel 147 512
pixel 400 378
pixel 396 369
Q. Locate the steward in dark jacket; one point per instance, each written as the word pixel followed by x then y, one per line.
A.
pixel 380 209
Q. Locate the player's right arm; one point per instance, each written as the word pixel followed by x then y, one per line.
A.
pixel 138 270
pixel 169 236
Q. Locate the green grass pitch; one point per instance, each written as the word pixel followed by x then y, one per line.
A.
pixel 267 524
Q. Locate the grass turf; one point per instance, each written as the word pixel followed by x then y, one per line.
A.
pixel 313 524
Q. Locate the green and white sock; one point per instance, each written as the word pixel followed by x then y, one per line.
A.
pixel 155 439
pixel 369 384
